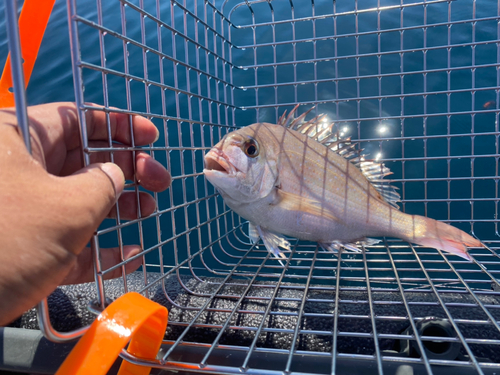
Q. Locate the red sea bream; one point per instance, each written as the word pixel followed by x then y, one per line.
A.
pixel 300 179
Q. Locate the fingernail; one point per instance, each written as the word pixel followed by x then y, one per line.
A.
pixel 115 173
pixel 157 135
pixel 132 253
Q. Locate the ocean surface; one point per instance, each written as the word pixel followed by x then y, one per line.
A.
pixel 437 87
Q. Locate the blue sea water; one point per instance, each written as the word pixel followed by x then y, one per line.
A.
pixel 381 105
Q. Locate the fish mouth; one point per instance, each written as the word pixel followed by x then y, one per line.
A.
pixel 216 161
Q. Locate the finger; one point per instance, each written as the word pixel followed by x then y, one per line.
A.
pixel 150 174
pixel 121 158
pixel 89 195
pixel 83 271
pixel 100 124
pixel 128 205
pixel 58 130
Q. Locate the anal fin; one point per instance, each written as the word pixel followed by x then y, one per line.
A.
pixel 330 247
pixel 335 246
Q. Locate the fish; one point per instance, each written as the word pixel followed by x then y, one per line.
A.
pixel 301 179
pixel 489 104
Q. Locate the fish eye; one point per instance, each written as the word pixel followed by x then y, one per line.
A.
pixel 251 149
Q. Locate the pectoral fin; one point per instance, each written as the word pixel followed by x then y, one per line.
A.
pixel 294 202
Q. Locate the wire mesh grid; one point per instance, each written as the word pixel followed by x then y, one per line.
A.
pixel 415 81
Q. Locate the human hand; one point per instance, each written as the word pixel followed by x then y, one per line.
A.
pixel 50 205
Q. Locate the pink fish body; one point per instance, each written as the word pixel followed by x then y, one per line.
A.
pixel 489 104
pixel 297 183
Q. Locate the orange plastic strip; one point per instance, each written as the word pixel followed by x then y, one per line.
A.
pixel 32 24
pixel 131 317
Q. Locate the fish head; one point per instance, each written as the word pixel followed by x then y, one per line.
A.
pixel 242 166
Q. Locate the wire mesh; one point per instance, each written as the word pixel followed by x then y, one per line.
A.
pixel 417 82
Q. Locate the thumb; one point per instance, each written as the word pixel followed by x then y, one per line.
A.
pixel 114 176
pixel 93 191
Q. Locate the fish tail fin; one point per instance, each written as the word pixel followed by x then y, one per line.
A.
pixel 433 233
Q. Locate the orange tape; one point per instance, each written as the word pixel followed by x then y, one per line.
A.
pixel 131 317
pixel 32 24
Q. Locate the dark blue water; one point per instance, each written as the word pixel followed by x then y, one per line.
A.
pixel 407 122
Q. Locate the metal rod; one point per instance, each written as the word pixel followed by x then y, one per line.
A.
pixel 49 332
pixel 16 63
pixel 42 308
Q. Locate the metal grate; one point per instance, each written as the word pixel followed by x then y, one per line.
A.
pixel 417 82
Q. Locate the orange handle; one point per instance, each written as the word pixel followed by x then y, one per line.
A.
pixel 131 317
pixel 32 24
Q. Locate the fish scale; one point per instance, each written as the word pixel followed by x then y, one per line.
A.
pixel 324 179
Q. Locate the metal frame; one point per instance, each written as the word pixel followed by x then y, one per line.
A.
pixel 17 70
pixel 197 62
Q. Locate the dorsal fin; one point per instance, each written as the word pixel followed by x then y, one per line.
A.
pixel 326 134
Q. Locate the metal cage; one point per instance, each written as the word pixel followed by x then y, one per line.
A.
pixel 416 82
